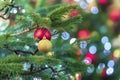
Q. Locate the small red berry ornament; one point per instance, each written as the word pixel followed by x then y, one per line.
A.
pixel 114 15
pixel 83 34
pixel 41 32
pixel 103 2
pixel 74 13
pixel 89 58
pixel 78 76
pixel 103 73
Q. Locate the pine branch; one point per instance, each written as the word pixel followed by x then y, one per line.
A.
pixel 20 51
pixel 54 71
pixel 25 31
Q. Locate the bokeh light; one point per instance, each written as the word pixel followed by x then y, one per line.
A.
pixel 83 44
pixel 107 46
pixel 116 53
pixel 104 39
pixel 109 71
pixel 83 5
pixel 94 10
pixel 13 10
pixel 87 60
pixel 89 1
pixel 93 49
pixel 65 36
pixel 111 63
pixel 101 66
pixel 72 40
pixel 90 69
pixel 23 10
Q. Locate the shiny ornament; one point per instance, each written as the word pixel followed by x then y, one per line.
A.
pixel 114 14
pixel 103 73
pixel 41 32
pixel 74 13
pixel 83 34
pixel 103 2
pixel 50 54
pixel 44 45
pixel 89 58
pixel 78 76
pixel 68 1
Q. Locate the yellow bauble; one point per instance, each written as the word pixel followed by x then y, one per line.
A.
pixel 44 45
pixel 50 54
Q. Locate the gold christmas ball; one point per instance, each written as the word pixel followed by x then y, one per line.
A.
pixel 44 45
pixel 50 54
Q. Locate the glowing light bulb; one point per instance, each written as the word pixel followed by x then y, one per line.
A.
pixel 83 5
pixel 92 49
pixel 26 47
pixel 104 39
pixel 23 11
pixel 94 10
pixel 13 10
pixel 90 69
pixel 65 36
pixel 111 63
pixel 72 40
pixel 89 1
pixel 107 46
pixel 116 53
pixel 109 71
pixel 101 66
pixel 83 44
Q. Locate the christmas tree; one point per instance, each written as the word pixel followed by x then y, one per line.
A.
pixel 59 40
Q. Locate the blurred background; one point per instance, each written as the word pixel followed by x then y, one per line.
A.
pixel 95 41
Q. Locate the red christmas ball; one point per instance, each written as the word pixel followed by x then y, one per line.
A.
pixel 91 56
pixel 74 13
pixel 103 2
pixel 69 1
pixel 41 32
pixel 83 34
pixel 103 73
pixel 114 14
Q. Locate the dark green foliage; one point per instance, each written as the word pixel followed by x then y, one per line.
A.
pixel 59 13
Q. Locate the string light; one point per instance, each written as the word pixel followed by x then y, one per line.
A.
pixel 90 69
pixel 83 44
pixel 65 36
pixel 89 1
pixel 83 5
pixel 26 47
pixel 107 46
pixel 101 66
pixel 23 11
pixel 104 39
pixel 109 71
pixel 13 10
pixel 93 49
pixel 111 63
pixel 94 10
pixel 72 40
pixel 116 53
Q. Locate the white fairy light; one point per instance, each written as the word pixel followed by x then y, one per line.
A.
pixel 92 49
pixel 72 40
pixel 65 36
pixel 94 10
